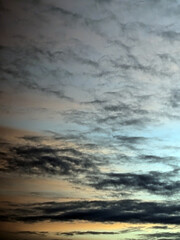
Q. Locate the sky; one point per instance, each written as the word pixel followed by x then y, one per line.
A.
pixel 89 119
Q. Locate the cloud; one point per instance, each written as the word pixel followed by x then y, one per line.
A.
pixel 33 138
pixel 20 235
pixel 95 102
pixel 131 140
pixel 171 35
pixel 56 156
pixel 153 182
pixel 47 160
pixel 88 232
pixel 175 98
pixel 19 69
pixel 112 69
pixel 132 211
pixel 163 235
pixel 53 9
pixel 74 233
pixel 34 154
pixel 154 158
pixel 85 59
pixel 160 227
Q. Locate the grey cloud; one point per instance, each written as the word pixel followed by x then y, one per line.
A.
pixel 118 108
pixel 21 235
pixel 160 227
pixel 127 59
pixel 88 232
pixel 18 67
pixel 64 12
pixel 103 1
pixel 155 158
pixel 125 115
pixel 153 182
pixel 97 211
pixel 31 232
pixel 171 35
pixel 127 64
pixel 76 17
pixel 131 139
pixel 95 102
pixel 33 138
pixel 35 158
pixel 175 98
pixel 139 122
pixel 69 55
pixel 46 160
pixel 100 232
pixel 47 90
pixel 163 236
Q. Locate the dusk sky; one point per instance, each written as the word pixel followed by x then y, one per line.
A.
pixel 89 119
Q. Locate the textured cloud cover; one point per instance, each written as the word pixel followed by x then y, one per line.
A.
pixel 51 157
pixel 95 87
pixel 96 211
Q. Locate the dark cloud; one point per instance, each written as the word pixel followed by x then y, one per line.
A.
pixel 96 211
pixel 117 108
pixel 47 160
pixel 31 58
pixel 31 232
pixel 153 182
pixel 154 158
pixel 99 232
pixel 160 227
pixel 21 235
pixel 139 122
pixel 88 232
pixel 35 158
pixel 131 139
pixel 133 122
pixel 33 138
pixel 96 102
pixel 125 109
pixel 163 236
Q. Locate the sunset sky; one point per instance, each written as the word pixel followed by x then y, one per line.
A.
pixel 89 119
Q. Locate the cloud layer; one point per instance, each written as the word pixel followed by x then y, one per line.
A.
pixel 94 85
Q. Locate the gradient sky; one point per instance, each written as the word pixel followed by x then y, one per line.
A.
pixel 89 119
